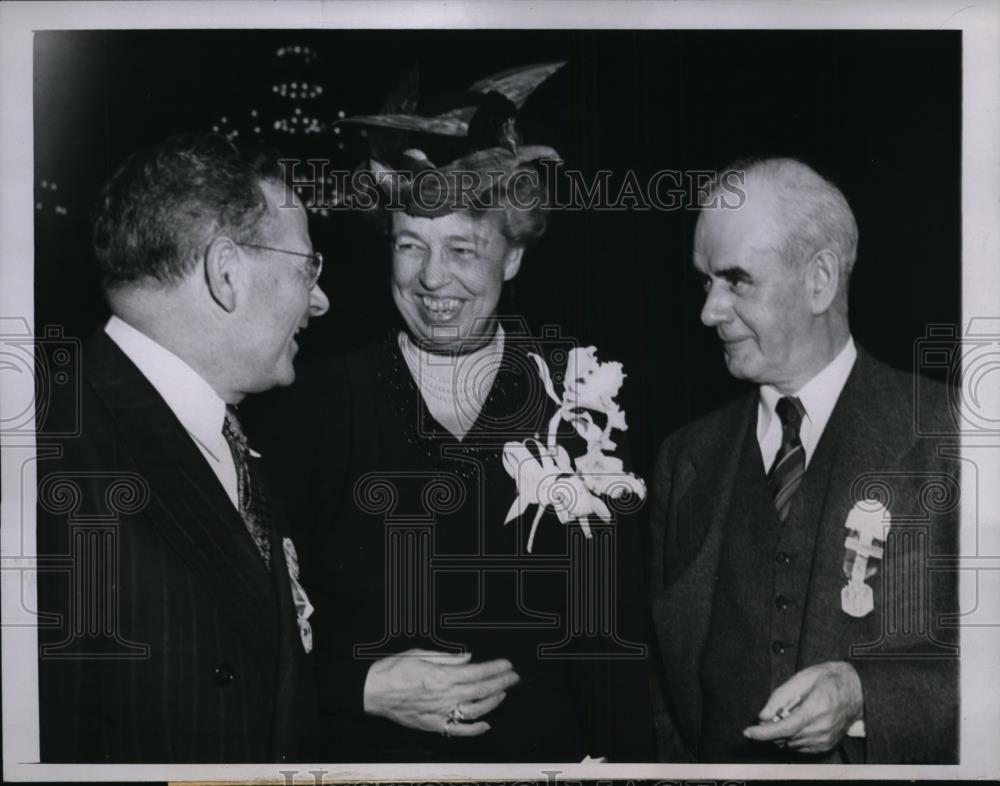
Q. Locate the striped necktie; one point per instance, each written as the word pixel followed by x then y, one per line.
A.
pixel 790 463
pixel 249 486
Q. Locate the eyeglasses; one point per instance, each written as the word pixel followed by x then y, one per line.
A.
pixel 314 268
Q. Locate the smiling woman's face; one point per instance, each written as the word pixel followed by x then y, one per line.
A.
pixel 447 274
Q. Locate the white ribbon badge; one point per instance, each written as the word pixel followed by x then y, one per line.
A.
pixel 303 608
pixel 867 525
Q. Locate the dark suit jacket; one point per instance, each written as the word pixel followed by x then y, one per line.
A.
pixel 910 680
pixel 164 638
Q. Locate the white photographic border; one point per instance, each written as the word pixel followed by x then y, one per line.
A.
pixel 980 576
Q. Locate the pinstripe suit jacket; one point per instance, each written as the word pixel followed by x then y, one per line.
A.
pixel 163 637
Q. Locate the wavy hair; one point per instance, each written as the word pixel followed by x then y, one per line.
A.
pixel 161 208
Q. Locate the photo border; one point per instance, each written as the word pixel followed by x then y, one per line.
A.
pixel 980 26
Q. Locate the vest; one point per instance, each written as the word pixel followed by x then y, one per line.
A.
pixel 759 600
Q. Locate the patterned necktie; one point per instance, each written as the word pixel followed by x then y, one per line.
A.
pixel 249 487
pixel 790 463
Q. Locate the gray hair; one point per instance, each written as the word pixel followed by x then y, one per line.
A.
pixel 812 212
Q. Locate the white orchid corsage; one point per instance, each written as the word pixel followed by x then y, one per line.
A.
pixel 544 473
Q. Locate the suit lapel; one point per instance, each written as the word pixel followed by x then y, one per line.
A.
pixel 867 432
pixel 187 503
pixel 684 609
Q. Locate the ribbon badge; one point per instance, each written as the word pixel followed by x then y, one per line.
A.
pixel 303 608
pixel 867 525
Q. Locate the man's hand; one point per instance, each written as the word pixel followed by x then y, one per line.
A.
pixel 421 688
pixel 813 710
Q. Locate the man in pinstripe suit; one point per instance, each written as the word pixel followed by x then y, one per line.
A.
pixel 173 626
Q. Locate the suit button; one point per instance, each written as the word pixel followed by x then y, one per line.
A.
pixel 778 647
pixel 223 674
pixel 782 558
pixel 781 602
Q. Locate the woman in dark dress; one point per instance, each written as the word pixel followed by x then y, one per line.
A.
pixel 452 624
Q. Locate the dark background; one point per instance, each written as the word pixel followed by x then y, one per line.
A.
pixel 877 112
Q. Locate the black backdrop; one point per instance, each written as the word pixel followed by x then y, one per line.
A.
pixel 876 111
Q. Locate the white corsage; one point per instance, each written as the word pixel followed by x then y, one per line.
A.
pixel 544 473
pixel 303 608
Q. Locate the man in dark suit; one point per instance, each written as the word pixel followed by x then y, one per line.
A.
pixel 173 626
pixel 797 617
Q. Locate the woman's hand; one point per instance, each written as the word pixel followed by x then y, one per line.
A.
pixel 422 688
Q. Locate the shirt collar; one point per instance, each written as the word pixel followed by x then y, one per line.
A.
pixel 818 396
pixel 195 403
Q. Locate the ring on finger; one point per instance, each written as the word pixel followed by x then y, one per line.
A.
pixel 447 731
pixel 456 715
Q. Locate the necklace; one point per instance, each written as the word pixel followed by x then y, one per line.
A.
pixel 454 387
pixel 451 377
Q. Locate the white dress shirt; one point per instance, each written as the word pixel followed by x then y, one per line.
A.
pixel 195 403
pixel 818 396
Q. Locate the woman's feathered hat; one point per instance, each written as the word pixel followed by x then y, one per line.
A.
pixel 477 129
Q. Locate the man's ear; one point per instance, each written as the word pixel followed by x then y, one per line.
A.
pixel 224 272
pixel 823 280
pixel 512 262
